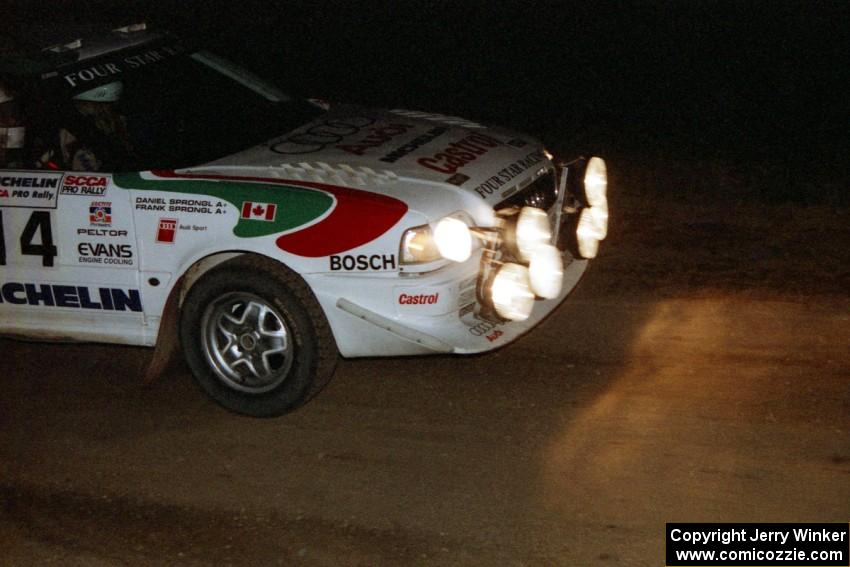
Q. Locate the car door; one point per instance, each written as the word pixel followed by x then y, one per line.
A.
pixel 68 258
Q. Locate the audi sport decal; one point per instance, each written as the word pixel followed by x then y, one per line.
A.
pixel 166 230
pixel 313 219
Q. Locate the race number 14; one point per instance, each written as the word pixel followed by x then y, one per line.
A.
pixel 39 222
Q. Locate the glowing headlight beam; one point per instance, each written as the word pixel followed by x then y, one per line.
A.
pixel 596 182
pixel 546 272
pixel 453 239
pixel 587 235
pixel 532 231
pixel 511 292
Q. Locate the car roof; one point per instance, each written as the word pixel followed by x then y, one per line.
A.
pixel 50 47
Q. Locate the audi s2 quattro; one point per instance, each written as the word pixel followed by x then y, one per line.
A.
pixel 150 190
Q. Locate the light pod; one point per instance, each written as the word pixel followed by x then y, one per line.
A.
pixel 510 292
pixel 453 239
pixel 546 272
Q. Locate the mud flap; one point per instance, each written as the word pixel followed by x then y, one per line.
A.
pixel 167 348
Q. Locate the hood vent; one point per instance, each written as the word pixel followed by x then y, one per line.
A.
pixel 441 118
pixel 341 174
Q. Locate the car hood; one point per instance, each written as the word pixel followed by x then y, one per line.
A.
pixel 407 146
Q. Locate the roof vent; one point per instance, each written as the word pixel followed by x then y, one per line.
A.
pixel 133 28
pixel 63 47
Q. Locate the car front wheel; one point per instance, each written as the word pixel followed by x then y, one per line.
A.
pixel 255 337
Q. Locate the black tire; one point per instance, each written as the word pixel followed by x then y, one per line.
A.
pixel 263 372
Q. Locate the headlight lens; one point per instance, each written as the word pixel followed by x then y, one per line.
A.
pixel 596 183
pixel 511 292
pixel 417 246
pixel 532 231
pixel 450 239
pixel 587 235
pixel 546 272
pixel 453 239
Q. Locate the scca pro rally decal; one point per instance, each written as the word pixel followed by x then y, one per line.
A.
pixel 316 219
pixel 85 185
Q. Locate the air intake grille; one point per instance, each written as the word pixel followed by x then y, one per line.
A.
pixel 541 194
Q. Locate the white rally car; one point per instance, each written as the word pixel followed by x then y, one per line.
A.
pixel 150 190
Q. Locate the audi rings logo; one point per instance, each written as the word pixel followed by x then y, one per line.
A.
pixel 321 135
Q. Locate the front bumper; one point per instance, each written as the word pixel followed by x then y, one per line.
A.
pixel 448 310
pixel 391 316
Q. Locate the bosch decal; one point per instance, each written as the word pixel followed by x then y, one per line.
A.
pixel 85 185
pixel 458 154
pixel 321 135
pixel 100 213
pixel 166 231
pixel 508 173
pixel 75 297
pixel 29 190
pixel 362 262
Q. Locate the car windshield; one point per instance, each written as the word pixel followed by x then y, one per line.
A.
pixel 194 109
pixel 176 109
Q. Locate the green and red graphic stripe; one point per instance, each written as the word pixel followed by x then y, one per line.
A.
pixel 334 219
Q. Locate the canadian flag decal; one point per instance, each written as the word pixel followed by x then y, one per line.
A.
pixel 258 211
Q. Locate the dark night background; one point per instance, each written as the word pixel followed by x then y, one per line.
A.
pixel 697 373
pixel 749 98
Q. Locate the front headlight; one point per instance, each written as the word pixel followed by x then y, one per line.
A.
pixel 450 239
pixel 587 235
pixel 596 183
pixel 526 231
pixel 546 272
pixel 417 246
pixel 511 293
pixel 453 239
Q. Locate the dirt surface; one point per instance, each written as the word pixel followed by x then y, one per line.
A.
pixel 699 373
